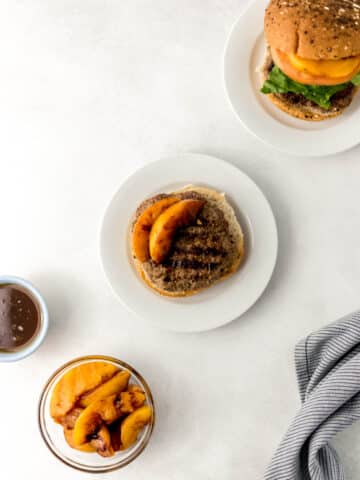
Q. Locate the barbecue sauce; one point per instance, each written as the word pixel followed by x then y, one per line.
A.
pixel 20 317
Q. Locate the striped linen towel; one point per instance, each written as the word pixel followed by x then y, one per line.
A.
pixel 328 373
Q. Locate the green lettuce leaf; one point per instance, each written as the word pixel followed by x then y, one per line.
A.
pixel 356 80
pixel 278 82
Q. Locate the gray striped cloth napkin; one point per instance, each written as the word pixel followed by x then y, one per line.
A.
pixel 328 372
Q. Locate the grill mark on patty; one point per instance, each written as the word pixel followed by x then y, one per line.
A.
pixel 202 241
pixel 199 258
pixel 193 250
pixel 193 264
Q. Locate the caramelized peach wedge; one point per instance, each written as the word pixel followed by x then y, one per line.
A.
pixel 132 426
pixel 116 384
pixel 99 410
pixel 179 215
pixel 143 226
pixel 75 383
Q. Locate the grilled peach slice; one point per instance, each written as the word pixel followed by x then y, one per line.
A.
pixel 137 396
pixel 142 227
pixel 70 418
pixel 116 384
pixel 133 424
pixel 101 441
pixel 179 215
pixel 103 411
pixel 75 383
pixel 86 447
pixel 132 399
pixel 94 416
pixel 68 424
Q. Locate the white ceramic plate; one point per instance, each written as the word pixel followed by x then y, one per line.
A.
pixel 219 304
pixel 244 53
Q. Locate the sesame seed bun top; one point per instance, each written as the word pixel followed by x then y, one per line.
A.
pixel 314 29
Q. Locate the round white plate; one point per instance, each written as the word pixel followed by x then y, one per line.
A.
pixel 244 53
pixel 218 304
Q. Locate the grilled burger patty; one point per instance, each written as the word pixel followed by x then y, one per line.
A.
pixel 201 253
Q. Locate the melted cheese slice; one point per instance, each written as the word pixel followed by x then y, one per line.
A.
pixel 328 68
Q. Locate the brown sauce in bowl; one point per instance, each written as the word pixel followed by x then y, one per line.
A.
pixel 20 317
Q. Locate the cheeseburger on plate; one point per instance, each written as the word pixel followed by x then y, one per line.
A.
pixel 312 66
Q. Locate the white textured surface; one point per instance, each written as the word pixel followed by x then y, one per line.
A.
pixel 89 91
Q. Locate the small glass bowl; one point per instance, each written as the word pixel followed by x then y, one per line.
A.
pixel 52 432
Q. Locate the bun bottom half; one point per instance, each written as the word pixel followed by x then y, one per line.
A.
pixel 306 112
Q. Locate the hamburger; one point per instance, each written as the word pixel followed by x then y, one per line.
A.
pixel 312 65
pixel 185 241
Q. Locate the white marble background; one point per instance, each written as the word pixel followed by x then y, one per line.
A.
pixel 90 90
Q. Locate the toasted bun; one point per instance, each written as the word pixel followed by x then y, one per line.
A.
pixel 303 112
pixel 315 30
pixel 218 199
pixel 310 111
